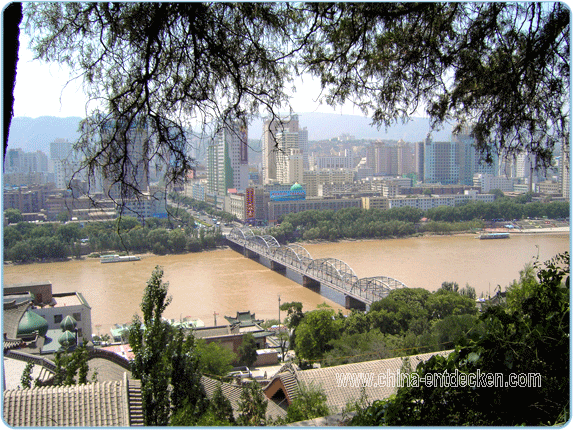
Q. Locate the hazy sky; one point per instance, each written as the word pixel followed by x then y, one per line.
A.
pixel 42 90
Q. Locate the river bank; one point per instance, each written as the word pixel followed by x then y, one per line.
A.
pixel 224 281
pixel 538 227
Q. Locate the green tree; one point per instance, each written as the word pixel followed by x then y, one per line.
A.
pixel 395 313
pixel 294 316
pixel 248 350
pixel 252 406
pixel 314 333
pixel 69 233
pixel 221 407
pixel 187 394
pixel 149 340
pixel 71 365
pixel 26 378
pixel 20 252
pixel 359 347
pixel 443 303
pixel 11 237
pixel 214 359
pixel 310 402
pixel 12 215
pixel 177 241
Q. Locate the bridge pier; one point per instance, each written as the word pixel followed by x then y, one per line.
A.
pixel 311 284
pixel 294 275
pixel 278 267
pixel 250 254
pixel 353 303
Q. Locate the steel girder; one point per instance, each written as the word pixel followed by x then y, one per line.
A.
pixel 376 288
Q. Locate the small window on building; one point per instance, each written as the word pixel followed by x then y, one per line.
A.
pixel 57 319
pixel 77 316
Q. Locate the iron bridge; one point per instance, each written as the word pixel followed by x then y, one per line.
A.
pixel 330 272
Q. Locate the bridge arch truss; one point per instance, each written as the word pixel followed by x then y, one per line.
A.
pixel 376 287
pixel 243 235
pixel 294 255
pixel 266 243
pixel 334 271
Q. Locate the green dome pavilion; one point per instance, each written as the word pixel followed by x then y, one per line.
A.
pixel 30 323
pixel 68 323
pixel 67 339
pixel 296 187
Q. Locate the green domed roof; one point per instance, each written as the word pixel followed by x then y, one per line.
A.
pixel 30 323
pixel 68 323
pixel 296 187
pixel 67 339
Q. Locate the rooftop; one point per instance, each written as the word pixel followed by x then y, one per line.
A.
pixel 108 404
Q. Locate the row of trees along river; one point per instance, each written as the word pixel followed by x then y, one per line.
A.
pixel 25 242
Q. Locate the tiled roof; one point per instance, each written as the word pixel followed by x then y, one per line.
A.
pixel 327 379
pixel 206 332
pixel 112 403
pixel 233 393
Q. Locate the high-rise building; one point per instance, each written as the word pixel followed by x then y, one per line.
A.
pixel 565 170
pixel 132 168
pixel 228 166
pixel 465 156
pixel 62 162
pixel 389 160
pixel 271 147
pixel 439 159
pixel 289 163
pixel 449 162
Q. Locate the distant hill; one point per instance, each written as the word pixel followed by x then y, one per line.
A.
pixel 326 126
pixel 33 134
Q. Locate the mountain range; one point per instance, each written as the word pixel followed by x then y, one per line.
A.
pixel 32 134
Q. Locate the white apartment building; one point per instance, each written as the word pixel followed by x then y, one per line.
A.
pixel 289 163
pixel 488 182
pixel 341 161
pixel 270 145
pixel 147 206
pixel 312 179
pixel 424 203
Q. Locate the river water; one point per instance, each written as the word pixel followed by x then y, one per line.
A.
pixel 224 282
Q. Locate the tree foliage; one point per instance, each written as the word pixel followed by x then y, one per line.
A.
pixel 529 337
pixel 248 350
pixel 162 65
pixel 501 68
pixel 214 359
pixel 252 406
pixel 149 340
pixel 310 402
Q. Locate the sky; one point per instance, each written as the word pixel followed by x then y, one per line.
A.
pixel 43 89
